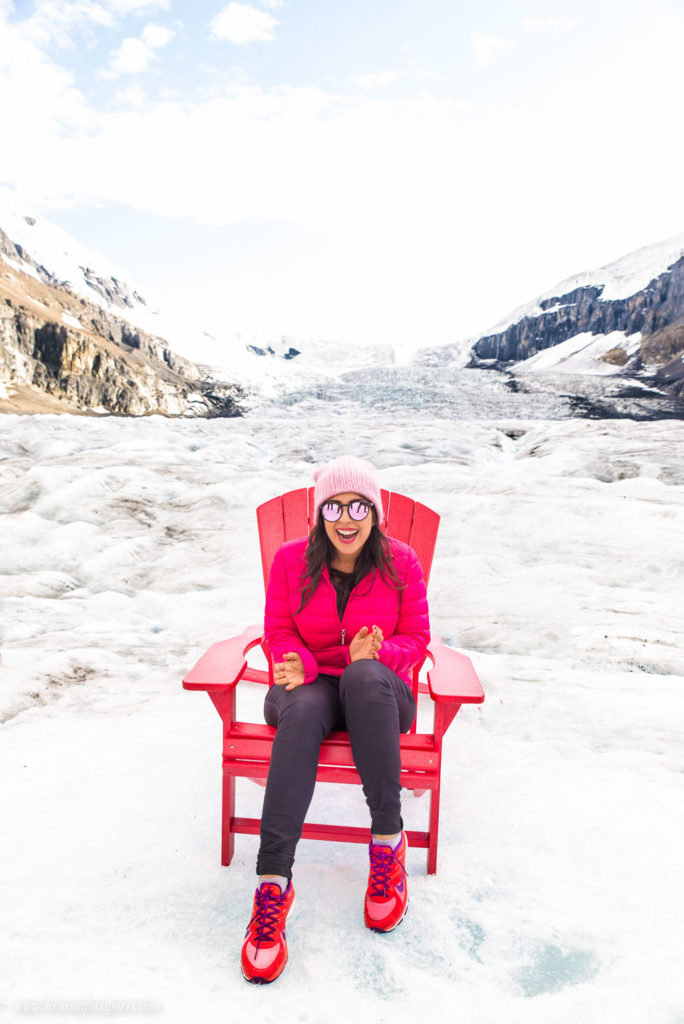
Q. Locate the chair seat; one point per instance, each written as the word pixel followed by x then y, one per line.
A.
pixel 247 753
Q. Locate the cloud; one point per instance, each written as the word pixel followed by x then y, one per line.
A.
pixel 137 55
pixel 54 22
pixel 38 98
pixel 534 26
pixel 416 203
pixel 133 96
pixel 375 80
pixel 242 23
pixel 485 46
pixel 123 7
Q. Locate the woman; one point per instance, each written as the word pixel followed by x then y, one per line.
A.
pixel 346 620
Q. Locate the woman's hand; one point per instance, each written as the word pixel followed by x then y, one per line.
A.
pixel 289 672
pixel 366 644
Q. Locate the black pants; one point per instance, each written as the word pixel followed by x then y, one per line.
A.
pixel 374 705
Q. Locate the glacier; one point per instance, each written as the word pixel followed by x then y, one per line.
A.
pixel 129 546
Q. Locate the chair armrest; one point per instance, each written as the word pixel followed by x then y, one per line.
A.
pixel 223 664
pixel 452 678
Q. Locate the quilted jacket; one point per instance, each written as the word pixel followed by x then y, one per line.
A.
pixel 318 634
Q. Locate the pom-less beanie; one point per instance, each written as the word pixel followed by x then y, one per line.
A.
pixel 343 475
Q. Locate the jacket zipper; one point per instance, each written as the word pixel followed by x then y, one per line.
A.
pixel 343 631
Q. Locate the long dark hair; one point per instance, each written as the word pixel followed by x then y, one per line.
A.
pixel 376 553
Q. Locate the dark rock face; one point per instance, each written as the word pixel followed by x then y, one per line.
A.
pixel 101 363
pixel 671 376
pixel 649 311
pixel 95 360
pixel 664 344
pixel 270 351
pixel 88 373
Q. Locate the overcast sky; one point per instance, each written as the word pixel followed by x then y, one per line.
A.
pixel 359 170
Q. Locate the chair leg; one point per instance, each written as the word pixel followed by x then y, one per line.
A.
pixel 228 812
pixel 433 830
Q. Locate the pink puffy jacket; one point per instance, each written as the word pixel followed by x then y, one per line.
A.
pixel 318 635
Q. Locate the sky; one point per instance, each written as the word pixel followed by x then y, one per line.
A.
pixel 365 171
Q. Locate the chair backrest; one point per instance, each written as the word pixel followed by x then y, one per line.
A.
pixel 289 516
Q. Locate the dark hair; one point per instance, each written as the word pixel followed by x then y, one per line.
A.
pixel 375 554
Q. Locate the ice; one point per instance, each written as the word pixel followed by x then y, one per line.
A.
pixel 130 546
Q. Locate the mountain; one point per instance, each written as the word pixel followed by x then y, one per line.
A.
pixel 73 336
pixel 625 318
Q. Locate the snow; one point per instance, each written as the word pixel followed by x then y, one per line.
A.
pixel 620 279
pixel 128 547
pixel 583 353
pixel 227 353
pixel 57 250
pixel 71 320
pixel 25 268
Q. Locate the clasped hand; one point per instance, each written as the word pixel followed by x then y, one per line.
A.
pixel 290 671
pixel 366 644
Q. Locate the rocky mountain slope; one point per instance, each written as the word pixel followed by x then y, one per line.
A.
pixel 68 347
pixel 626 318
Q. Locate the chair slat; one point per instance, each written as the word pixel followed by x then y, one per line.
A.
pixel 296 514
pixel 339 833
pixel 256 731
pixel 424 536
pixel 271 532
pixel 399 517
pixel 247 742
pixel 385 495
pixel 310 521
pixel 410 778
pixel 289 516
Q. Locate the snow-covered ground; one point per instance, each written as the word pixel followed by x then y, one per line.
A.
pixel 129 546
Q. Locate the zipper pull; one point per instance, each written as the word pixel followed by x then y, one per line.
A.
pixel 342 636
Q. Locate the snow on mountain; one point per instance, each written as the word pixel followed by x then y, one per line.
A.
pixel 78 268
pixel 267 364
pixel 626 318
pixel 583 353
pixel 618 280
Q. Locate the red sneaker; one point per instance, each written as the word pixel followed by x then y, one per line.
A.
pixel 387 892
pixel 264 951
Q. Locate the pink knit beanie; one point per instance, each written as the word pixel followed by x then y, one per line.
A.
pixel 343 475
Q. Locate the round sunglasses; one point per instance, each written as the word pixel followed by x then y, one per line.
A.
pixel 358 510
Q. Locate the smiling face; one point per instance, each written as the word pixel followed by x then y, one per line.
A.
pixel 346 535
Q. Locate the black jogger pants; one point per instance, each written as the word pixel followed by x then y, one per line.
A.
pixel 374 705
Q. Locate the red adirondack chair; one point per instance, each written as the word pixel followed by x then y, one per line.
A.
pixel 451 682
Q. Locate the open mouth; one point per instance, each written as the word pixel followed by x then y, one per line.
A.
pixel 347 536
